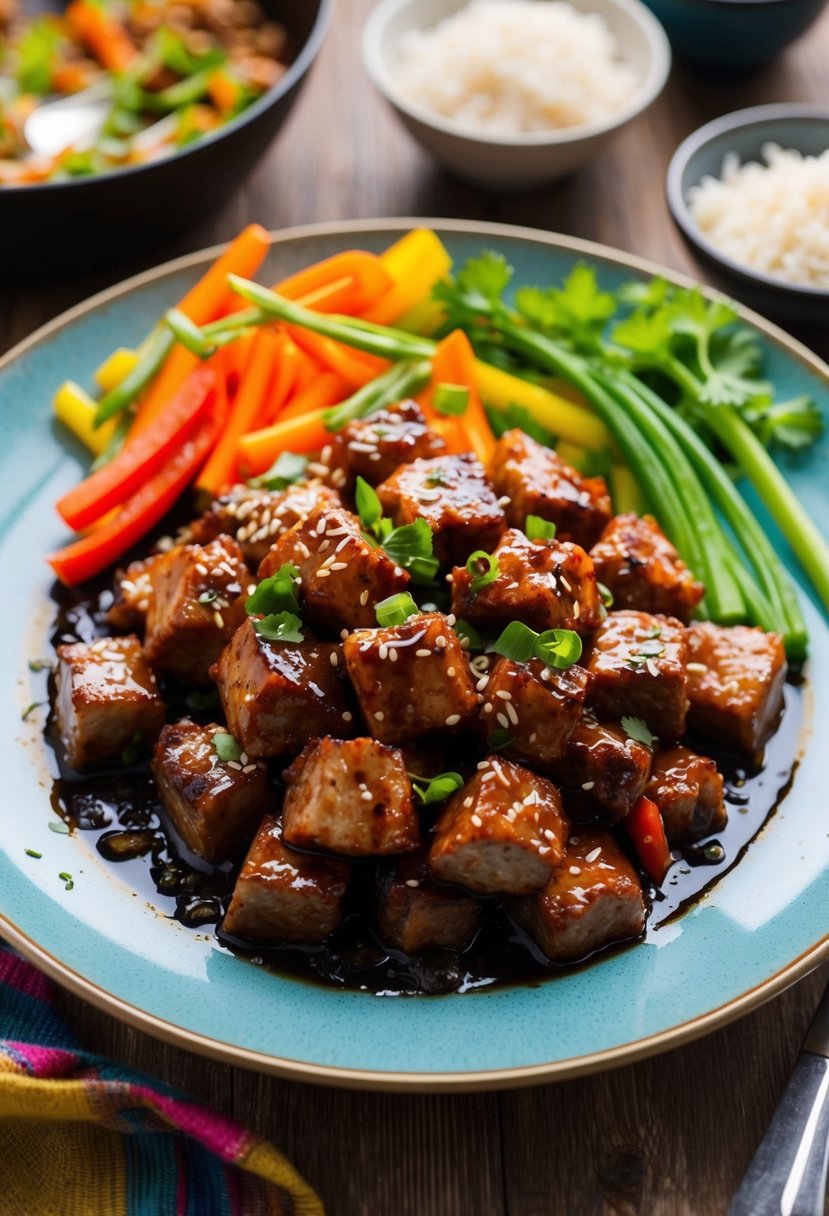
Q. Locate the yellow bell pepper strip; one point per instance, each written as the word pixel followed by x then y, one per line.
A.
pixel 416 262
pixel 500 389
pixel 142 456
pixel 76 410
pixel 114 370
pixel 571 453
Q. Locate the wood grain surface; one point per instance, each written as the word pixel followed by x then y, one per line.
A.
pixel 669 1136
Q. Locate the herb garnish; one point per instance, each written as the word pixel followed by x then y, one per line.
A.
pixel 395 609
pixel 536 528
pixel 451 400
pixel 277 593
pixel 288 468
pixel 438 789
pixel 280 627
pixel 483 569
pixel 410 546
pixel 226 747
pixel 636 728
pixel 558 648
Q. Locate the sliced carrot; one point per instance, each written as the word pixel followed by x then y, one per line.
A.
pixel 233 361
pixel 647 831
pixel 91 554
pixel 450 430
pixel 355 367
pixel 259 450
pixel 325 389
pixel 363 273
pixel 142 456
pixel 224 91
pixel 284 381
pixel 203 303
pixel 106 38
pixel 220 469
pixel 454 363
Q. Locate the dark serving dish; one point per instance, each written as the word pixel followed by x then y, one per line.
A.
pixel 733 35
pixel 801 127
pixel 58 226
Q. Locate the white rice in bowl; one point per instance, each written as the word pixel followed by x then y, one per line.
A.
pixel 510 67
pixel 772 217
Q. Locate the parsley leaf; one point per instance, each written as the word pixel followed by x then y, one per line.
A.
pixel 410 546
pixel 280 627
pixel 276 593
pixel 636 728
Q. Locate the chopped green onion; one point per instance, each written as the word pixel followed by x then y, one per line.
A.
pixel 438 789
pixel 470 639
pixel 451 399
pixel 280 627
pixel 369 507
pixel 499 739
pixel 276 593
pixel 559 648
pixel 636 728
pixel 288 468
pixel 226 747
pixel 188 333
pixel 606 595
pixel 30 708
pixel 153 351
pixel 207 597
pixel 40 664
pixel 537 528
pixel 483 569
pixel 33 853
pixel 67 880
pixel 395 609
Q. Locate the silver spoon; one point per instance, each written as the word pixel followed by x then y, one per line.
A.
pixel 69 122
pixel 787 1176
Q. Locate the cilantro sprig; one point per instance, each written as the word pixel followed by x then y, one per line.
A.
pixel 277 593
pixel 410 546
pixel 436 789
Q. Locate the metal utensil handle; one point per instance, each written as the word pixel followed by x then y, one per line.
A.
pixel 788 1174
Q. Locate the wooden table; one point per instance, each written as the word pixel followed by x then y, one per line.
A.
pixel 670 1135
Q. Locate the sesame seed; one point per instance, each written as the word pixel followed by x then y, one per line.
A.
pixel 488 708
pixel 302 549
pixel 593 854
pixel 357 445
pixel 383 650
pixel 451 619
pixel 450 671
pixel 243 759
pixel 379 715
pixel 500 774
pixel 325 454
pixel 694 669
pixel 502 720
pixel 532 798
pixel 482 683
pixel 341 544
pixel 250 768
pixel 374 456
pixel 322 524
pixel 219 620
pixel 476 820
pixel 201 568
pixel 332 532
pixel 344 566
pixel 363 598
pixel 504 694
pixel 423 654
pixel 482 765
pixel 366 795
pixel 335 658
pixel 548 834
pixel 343 634
pixel 393 655
pixel 453 720
pixel 347 716
pixel 511 714
pixel 652 668
pixel 322 573
pixel 587 785
pixel 467 802
pixel 440 642
pixel 575 870
pixel 576 610
pixel 234 764
pixel 412 882
pixel 565 584
pixel 543 849
pixel 504 500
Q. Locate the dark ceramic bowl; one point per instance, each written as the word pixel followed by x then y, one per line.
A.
pixel 804 128
pixel 59 226
pixel 733 35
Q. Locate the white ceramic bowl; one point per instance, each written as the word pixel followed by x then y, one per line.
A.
pixel 512 162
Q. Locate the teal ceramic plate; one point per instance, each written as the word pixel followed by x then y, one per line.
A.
pixel 764 925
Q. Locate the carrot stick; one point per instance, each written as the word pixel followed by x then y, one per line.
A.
pixel 451 430
pixel 201 304
pixel 91 554
pixel 284 381
pixel 233 360
pixel 355 367
pixel 258 450
pixel 325 389
pixel 106 38
pixel 347 282
pixel 454 363
pixel 220 469
pixel 141 457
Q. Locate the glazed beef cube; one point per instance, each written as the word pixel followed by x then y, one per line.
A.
pixel 603 762
pixel 538 482
pixel 342 575
pixel 106 699
pixel 375 447
pixel 414 913
pixel 255 518
pixel 133 593
pixel 214 804
pixel 285 896
pixel 639 565
pixel 545 584
pixel 454 497
pixel 637 664
pixel 537 706
pixel 351 797
pixel 276 694
pixel 735 684
pixel 688 791
pixel 410 679
pixel 593 898
pixel 198 602
pixel 502 833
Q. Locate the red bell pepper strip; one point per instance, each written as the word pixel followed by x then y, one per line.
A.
pixel 142 456
pixel 647 831
pixel 91 554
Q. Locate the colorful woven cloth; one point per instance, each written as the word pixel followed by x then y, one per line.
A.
pixel 81 1135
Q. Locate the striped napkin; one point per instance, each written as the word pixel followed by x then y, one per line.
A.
pixel 82 1135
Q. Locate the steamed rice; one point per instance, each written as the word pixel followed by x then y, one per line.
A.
pixel 771 217
pixel 509 67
